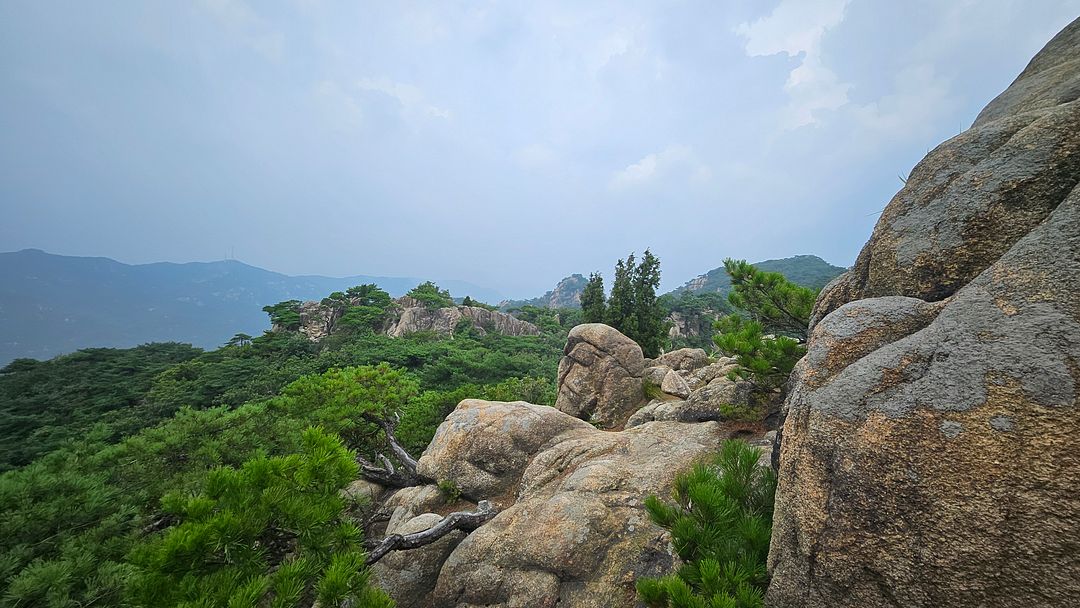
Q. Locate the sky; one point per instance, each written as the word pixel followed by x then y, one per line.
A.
pixel 504 143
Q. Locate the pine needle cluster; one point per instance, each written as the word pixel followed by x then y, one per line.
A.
pixel 720 519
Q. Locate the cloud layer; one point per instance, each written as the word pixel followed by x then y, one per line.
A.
pixel 505 145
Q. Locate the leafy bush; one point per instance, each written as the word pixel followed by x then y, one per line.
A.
pixel 651 389
pixel 720 522
pixel 450 491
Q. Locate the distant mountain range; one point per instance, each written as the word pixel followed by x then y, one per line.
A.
pixel 806 270
pixel 54 304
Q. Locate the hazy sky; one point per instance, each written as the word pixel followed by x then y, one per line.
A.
pixel 508 144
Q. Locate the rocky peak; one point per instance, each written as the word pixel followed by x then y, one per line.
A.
pixel 567 294
pixel 931 437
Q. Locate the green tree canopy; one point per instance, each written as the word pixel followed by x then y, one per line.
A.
pixel 593 308
pixel 430 295
pixel 272 532
pixel 285 315
pixel 632 307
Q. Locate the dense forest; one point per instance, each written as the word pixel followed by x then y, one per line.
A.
pixel 101 446
pixel 168 475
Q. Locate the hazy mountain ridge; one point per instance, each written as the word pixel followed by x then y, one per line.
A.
pixel 566 294
pixel 52 304
pixel 806 270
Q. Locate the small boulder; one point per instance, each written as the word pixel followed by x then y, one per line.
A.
pixel 684 359
pixel 484 446
pixel 673 384
pixel 600 376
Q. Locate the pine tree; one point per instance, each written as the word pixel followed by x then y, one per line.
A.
pixel 768 297
pixel 620 308
pixel 648 315
pixel 720 525
pixel 768 304
pixel 592 300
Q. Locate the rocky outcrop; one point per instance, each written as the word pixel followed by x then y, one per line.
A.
pixel 572 529
pixel 600 375
pixel 604 379
pixel 445 321
pixel 317 320
pixel 320 319
pixel 567 294
pixel 933 427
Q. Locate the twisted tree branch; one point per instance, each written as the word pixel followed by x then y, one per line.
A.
pixel 458 520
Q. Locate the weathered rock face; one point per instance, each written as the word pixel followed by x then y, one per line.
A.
pixel 600 375
pixel 318 320
pixel 572 529
pixel 444 320
pixel 933 429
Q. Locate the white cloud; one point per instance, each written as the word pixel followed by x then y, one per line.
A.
pixel 410 97
pixel 796 27
pixel 673 160
pixel 920 98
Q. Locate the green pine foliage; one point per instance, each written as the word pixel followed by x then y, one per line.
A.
pixel 766 361
pixel 71 518
pixel 780 306
pixel 44 404
pixel 720 520
pixel 593 308
pixel 650 330
pixel 285 315
pixel 766 336
pixel 632 307
pixel 271 532
pixel 430 295
pixel 620 305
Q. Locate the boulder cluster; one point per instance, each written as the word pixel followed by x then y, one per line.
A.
pixel 571 529
pixel 605 379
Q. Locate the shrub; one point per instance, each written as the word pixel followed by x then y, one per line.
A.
pixel 651 389
pixel 272 532
pixel 720 522
pixel 766 361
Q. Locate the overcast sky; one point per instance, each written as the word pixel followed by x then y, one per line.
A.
pixel 508 144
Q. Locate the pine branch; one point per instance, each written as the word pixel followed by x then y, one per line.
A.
pixel 458 520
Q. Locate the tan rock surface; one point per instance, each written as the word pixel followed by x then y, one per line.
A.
pixel 933 433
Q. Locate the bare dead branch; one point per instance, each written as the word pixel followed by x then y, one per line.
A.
pixel 389 425
pixel 458 520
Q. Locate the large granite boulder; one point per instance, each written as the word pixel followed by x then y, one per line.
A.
pixel 600 376
pixel 485 449
pixel 572 529
pixel 933 432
